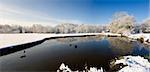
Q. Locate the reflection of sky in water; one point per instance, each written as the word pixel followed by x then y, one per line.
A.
pixel 122 46
pixel 140 49
pixel 79 39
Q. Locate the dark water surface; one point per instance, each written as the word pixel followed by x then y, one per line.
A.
pixel 76 52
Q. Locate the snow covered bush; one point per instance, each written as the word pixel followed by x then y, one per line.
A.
pixel 146 26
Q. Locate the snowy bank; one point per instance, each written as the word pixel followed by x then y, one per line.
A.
pixel 131 64
pixel 7 40
pixel 112 34
pixel 65 68
pixel 145 36
pixel 134 64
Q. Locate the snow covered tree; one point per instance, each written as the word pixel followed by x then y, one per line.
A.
pixel 61 28
pixel 66 28
pixel 146 26
pixel 122 22
pixel 37 28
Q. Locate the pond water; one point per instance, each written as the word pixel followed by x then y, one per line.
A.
pixel 76 52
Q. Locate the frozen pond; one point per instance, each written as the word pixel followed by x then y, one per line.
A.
pixel 76 52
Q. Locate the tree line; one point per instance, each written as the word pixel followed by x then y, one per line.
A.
pixel 124 23
pixel 121 22
pixel 61 28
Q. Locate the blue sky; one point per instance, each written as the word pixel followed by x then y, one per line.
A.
pixel 52 12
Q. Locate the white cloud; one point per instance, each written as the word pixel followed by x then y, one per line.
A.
pixel 25 23
pixel 10 14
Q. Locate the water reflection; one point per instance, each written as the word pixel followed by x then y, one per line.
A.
pixel 76 52
pixel 79 39
pixel 141 49
pixel 122 46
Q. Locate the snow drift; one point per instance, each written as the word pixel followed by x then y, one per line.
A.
pixel 134 64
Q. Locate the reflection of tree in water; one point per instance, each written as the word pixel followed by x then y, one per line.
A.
pixel 66 40
pixel 78 39
pixel 120 46
pixel 142 50
pixel 147 46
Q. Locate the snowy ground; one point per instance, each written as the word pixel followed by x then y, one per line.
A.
pixel 7 40
pixel 111 34
pixel 65 68
pixel 134 64
pixel 146 36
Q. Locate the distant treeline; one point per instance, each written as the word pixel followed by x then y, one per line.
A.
pixel 121 22
pixel 62 28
